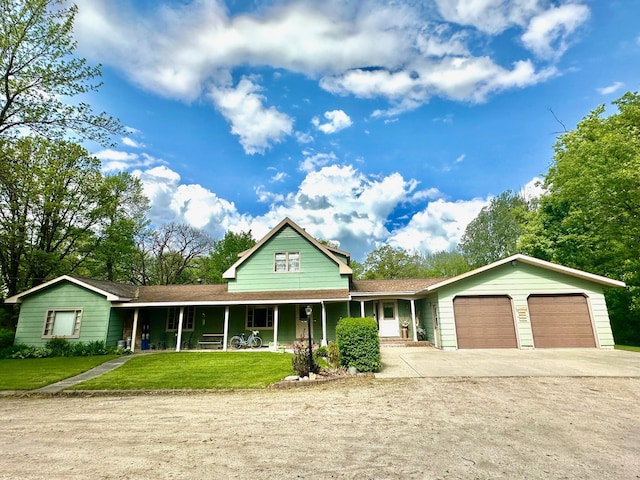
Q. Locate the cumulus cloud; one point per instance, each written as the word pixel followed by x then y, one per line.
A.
pixel 130 142
pixel 313 161
pixel 173 201
pixel 439 226
pixel 257 126
pixel 337 120
pixel 608 90
pixel 402 52
pixel 548 33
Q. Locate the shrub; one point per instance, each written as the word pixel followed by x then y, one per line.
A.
pixel 60 347
pixel 358 344
pixel 6 337
pixel 333 354
pixel 27 351
pixel 300 360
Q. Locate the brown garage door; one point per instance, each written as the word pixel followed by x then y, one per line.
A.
pixel 484 322
pixel 560 321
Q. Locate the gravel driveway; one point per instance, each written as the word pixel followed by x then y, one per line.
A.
pixel 440 428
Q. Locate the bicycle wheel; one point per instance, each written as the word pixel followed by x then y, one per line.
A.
pixel 235 342
pixel 256 342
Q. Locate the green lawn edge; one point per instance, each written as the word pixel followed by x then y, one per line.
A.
pixel 34 373
pixel 628 348
pixel 195 371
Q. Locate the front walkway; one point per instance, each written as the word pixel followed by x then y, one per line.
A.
pixel 88 375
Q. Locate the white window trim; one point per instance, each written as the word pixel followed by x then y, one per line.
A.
pixel 286 260
pixel 185 320
pixel 78 312
pixel 266 307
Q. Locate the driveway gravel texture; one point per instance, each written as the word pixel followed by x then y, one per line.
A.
pixel 362 428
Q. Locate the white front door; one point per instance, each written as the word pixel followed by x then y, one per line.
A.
pixel 388 320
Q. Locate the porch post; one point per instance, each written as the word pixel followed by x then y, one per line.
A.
pixel 135 330
pixel 413 319
pixel 226 328
pixel 362 308
pixel 323 342
pixel 179 339
pixel 276 318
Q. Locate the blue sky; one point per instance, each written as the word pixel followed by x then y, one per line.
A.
pixel 366 122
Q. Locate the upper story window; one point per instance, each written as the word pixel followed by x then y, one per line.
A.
pixel 287 262
pixel 173 318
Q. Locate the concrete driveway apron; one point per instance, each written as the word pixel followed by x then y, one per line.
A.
pixel 403 362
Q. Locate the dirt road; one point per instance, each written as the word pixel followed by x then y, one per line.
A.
pixel 367 428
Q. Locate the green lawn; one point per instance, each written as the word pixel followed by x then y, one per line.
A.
pixel 32 373
pixel 630 348
pixel 195 370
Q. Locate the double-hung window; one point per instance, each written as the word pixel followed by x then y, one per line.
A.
pixel 286 262
pixel 259 317
pixel 173 318
pixel 63 323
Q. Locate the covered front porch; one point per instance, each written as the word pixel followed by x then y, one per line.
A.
pixel 202 326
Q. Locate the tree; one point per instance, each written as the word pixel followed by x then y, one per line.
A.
pixel 496 231
pixel 224 254
pixel 443 264
pixel 55 206
pixel 387 262
pixel 589 219
pixel 39 74
pixel 124 220
pixel 168 255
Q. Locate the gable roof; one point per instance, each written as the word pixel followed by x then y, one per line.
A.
pixel 608 282
pixel 112 291
pixel 408 286
pixel 328 251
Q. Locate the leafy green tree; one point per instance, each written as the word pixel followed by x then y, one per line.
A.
pixel 39 74
pixel 496 231
pixel 443 264
pixel 589 219
pixel 55 206
pixel 224 254
pixel 124 220
pixel 388 262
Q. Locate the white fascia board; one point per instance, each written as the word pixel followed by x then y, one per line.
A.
pixel 109 296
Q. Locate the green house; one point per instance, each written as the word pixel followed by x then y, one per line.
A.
pixel 518 302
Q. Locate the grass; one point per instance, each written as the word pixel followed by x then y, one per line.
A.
pixel 629 348
pixel 32 373
pixel 195 370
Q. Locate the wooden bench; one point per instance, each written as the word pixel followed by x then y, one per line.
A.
pixel 214 339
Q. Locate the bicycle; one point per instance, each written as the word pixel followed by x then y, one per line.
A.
pixel 254 340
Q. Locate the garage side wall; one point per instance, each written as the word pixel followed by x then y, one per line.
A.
pixel 519 282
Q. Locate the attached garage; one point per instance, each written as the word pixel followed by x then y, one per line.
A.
pixel 484 322
pixel 560 321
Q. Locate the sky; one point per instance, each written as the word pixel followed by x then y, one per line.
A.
pixel 366 122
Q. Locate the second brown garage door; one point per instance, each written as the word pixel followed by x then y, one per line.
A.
pixel 560 321
pixel 484 322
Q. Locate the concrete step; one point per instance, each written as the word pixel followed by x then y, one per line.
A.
pixel 401 342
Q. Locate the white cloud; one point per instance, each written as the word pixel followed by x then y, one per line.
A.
pixel 614 87
pixel 304 137
pixel 338 120
pixel 117 160
pixel 489 16
pixel 257 126
pixel 185 50
pixel 533 189
pixel 549 33
pixel 314 161
pixel 438 227
pixel 130 142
